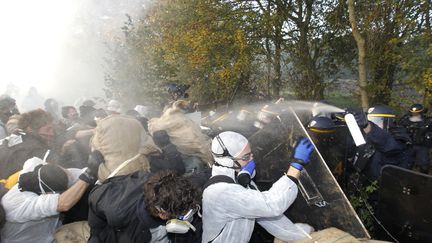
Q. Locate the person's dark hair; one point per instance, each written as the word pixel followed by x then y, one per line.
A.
pixel 50 104
pixel 172 193
pixel 34 120
pixel 161 138
pixel 89 103
pixel 87 115
pixel 6 102
pixel 65 110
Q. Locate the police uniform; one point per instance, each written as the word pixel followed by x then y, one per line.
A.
pixel 385 147
pixel 418 128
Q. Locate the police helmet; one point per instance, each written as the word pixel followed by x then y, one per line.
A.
pixel 416 108
pixel 178 90
pixel 321 124
pixel 267 113
pixel 172 88
pixel 382 115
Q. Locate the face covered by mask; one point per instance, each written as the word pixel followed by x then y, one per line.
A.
pixel 246 174
pixel 182 223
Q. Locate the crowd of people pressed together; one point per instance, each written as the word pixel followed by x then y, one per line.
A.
pixel 100 175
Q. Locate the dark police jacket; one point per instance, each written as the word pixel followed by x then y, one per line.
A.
pixel 388 150
pixel 419 131
pixel 117 211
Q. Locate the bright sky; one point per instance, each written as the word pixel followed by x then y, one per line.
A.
pixel 33 33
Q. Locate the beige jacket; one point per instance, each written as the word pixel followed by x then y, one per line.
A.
pixel 185 134
pixel 120 138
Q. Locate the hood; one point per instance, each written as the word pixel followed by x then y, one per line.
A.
pixel 120 138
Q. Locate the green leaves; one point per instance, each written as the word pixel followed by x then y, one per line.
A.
pixel 222 48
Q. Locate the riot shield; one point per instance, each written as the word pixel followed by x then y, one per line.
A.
pixel 321 202
pixel 405 200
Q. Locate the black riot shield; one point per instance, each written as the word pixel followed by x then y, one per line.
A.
pixel 405 200
pixel 321 203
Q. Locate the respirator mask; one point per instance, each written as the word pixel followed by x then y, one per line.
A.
pixel 246 174
pixel 182 223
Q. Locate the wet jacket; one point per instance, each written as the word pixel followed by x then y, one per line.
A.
pixel 388 150
pixel 17 148
pixel 230 210
pixel 117 212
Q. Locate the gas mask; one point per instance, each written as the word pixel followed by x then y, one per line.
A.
pixel 246 174
pixel 182 223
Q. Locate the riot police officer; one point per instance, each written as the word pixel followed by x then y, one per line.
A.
pixel 330 141
pixel 178 91
pixel 418 126
pixel 385 143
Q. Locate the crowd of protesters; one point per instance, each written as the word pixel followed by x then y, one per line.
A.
pixel 102 174
pixel 88 174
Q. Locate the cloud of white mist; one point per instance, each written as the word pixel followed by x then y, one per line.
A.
pixel 31 43
pixel 58 46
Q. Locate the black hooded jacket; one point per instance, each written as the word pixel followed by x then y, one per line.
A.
pixel 117 211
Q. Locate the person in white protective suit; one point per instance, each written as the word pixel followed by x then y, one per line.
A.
pixel 232 202
pixel 43 191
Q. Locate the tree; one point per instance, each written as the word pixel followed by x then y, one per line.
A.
pixel 361 56
pixel 294 36
pixel 204 46
pixel 417 56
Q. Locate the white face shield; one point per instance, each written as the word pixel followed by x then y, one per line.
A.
pixel 379 121
pixel 383 122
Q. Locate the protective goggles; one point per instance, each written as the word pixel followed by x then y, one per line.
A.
pixel 247 157
pixel 185 217
pixel 189 215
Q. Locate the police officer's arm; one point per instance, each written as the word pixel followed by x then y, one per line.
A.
pixel 71 196
pixel 368 128
pixel 382 140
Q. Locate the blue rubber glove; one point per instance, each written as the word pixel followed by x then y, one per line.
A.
pixel 302 153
